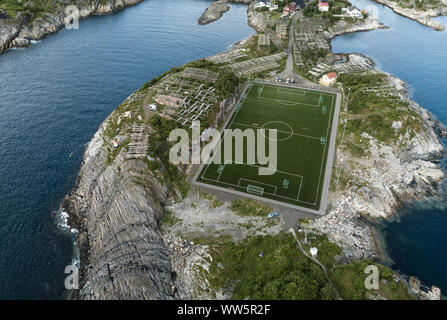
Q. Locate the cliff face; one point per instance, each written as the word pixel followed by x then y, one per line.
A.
pixel 403 171
pixel 18 31
pixel 256 20
pixel 122 253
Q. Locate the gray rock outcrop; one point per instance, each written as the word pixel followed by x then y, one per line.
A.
pixel 122 253
pixel 213 12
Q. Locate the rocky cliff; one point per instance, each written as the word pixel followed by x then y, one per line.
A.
pixel 18 31
pixel 116 206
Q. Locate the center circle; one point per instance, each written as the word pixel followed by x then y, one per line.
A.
pixel 287 129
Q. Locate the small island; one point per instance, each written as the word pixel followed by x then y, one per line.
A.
pixel 213 12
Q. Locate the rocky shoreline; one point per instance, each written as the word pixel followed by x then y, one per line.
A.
pixel 23 29
pixel 422 16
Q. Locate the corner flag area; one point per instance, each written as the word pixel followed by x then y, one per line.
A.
pixel 303 120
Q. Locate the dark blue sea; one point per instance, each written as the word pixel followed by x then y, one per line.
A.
pixel 53 97
pixel 417 239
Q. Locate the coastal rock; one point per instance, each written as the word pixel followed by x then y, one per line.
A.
pixel 391 174
pixel 256 20
pixel 213 12
pixel 20 42
pixel 422 16
pixel 25 26
pixel 122 253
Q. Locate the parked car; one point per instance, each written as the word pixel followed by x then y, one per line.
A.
pixel 273 214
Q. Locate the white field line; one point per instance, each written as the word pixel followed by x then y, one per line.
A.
pixel 294 93
pixel 291 133
pixel 257 182
pixel 273 195
pixel 299 191
pixel 325 144
pixel 284 172
pixel 229 125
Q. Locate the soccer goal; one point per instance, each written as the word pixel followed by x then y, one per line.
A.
pixel 255 190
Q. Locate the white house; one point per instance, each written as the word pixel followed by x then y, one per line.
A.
pixel 152 107
pixel 323 6
pixel 260 4
pixel 354 12
pixel 272 6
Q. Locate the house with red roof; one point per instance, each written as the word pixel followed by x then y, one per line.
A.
pixel 328 79
pixel 323 6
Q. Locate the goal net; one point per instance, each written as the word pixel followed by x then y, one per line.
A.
pixel 255 190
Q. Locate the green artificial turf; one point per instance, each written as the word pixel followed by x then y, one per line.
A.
pixel 302 118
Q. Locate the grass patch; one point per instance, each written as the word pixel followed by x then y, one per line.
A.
pixel 281 273
pixel 169 219
pixel 249 207
pixel 350 282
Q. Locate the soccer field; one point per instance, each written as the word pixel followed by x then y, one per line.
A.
pixel 303 119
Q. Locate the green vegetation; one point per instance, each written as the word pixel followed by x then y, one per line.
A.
pixel 350 281
pixel 374 112
pixel 249 207
pixel 272 267
pixel 31 9
pixel 159 146
pixel 303 119
pixel 335 8
pixel 169 219
pixel 281 273
pixel 314 55
pixel 255 51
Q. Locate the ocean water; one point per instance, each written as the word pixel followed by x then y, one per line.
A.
pixel 53 97
pixel 417 240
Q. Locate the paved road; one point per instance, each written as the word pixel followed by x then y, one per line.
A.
pixel 289 71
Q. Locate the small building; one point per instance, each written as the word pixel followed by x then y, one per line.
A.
pixel 323 6
pixel 354 12
pixel 272 7
pixel 313 251
pixel 328 79
pixel 286 11
pixel 152 107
